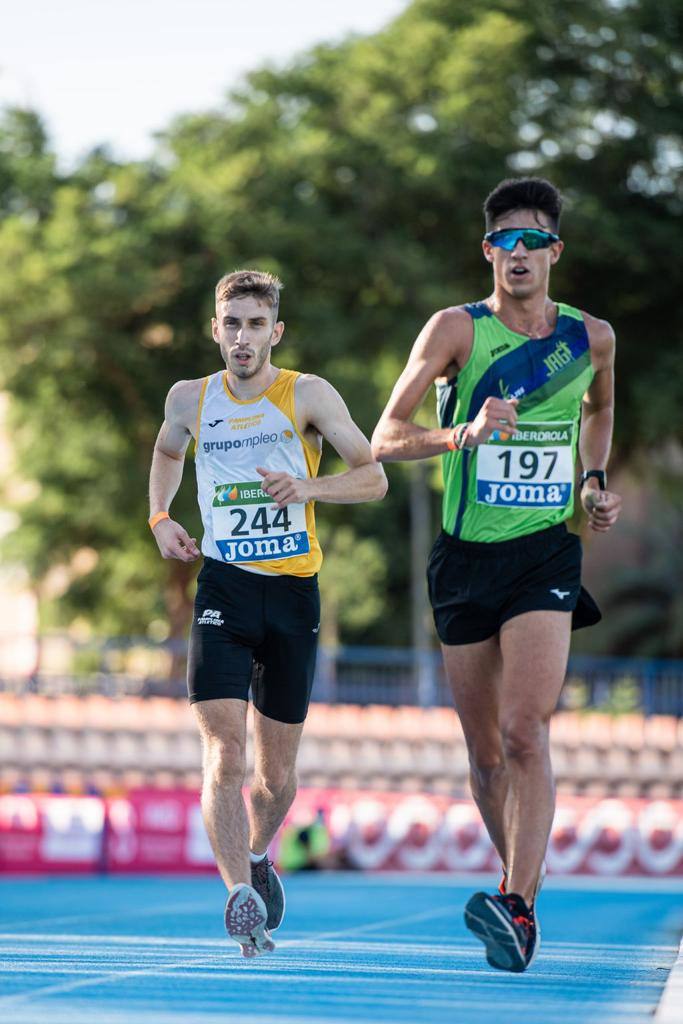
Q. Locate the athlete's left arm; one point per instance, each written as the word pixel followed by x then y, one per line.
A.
pixel 597 421
pixel 321 409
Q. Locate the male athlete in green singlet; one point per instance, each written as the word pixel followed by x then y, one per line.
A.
pixel 522 382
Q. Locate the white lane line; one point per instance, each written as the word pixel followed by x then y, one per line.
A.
pixel 55 1015
pixel 186 941
pixel 348 974
pixel 95 979
pixel 160 941
pixel 109 977
pixel 144 940
pixel 326 961
pixel 670 1009
pixel 110 940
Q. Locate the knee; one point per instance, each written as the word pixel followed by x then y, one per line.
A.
pixel 525 738
pixel 487 769
pixel 280 784
pixel 224 762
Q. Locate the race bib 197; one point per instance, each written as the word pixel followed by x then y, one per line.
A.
pixel 247 528
pixel 533 468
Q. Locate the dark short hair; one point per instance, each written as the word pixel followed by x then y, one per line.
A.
pixel 250 282
pixel 523 194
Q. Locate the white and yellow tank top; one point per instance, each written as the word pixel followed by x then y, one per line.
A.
pixel 232 438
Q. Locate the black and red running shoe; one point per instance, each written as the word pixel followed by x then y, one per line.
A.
pixel 506 926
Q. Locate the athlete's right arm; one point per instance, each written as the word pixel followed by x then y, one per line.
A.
pixel 167 469
pixel 445 341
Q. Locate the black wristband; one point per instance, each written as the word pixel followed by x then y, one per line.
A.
pixel 599 475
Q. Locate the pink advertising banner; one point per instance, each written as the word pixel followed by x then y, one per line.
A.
pixel 162 831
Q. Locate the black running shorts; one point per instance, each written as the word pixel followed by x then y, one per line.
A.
pixel 475 587
pixel 251 630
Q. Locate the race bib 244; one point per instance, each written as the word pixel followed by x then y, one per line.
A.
pixel 248 528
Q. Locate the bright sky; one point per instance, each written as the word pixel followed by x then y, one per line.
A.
pixel 115 71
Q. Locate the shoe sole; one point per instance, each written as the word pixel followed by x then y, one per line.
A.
pixel 245 922
pixel 485 920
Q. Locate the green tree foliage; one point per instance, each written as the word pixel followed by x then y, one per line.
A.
pixel 357 173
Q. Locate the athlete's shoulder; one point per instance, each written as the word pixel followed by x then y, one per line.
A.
pixel 312 388
pixel 182 400
pixel 600 336
pixel 452 319
pixel 446 340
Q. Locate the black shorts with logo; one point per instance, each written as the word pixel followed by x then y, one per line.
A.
pixel 251 630
pixel 475 587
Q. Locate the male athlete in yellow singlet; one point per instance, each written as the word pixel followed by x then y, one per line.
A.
pixel 524 384
pixel 258 433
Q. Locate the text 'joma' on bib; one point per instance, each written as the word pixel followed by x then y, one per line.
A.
pixel 248 528
pixel 533 468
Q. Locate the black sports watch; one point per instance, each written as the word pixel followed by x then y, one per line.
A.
pixel 599 475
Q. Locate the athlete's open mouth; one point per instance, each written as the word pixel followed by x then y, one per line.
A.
pixel 519 271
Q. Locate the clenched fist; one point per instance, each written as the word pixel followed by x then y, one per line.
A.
pixel 602 507
pixel 495 414
pixel 284 488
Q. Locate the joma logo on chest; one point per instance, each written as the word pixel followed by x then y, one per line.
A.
pixel 558 359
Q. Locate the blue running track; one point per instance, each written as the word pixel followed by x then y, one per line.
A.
pixel 353 948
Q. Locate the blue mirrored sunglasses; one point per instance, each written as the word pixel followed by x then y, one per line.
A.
pixel 507 238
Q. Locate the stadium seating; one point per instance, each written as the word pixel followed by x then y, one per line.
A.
pixel 96 743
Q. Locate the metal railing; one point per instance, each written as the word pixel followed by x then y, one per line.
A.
pixel 378 675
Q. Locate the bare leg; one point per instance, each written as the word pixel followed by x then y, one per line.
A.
pixel 222 724
pixel 474 672
pixel 535 648
pixel 274 786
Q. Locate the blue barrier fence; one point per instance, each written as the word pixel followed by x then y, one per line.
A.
pixel 376 675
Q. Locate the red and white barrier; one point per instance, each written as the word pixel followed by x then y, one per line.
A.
pixel 51 833
pixel 162 831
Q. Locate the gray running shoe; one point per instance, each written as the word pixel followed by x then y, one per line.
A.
pixel 245 921
pixel 267 883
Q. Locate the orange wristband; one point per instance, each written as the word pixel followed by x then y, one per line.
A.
pixel 153 520
pixel 450 443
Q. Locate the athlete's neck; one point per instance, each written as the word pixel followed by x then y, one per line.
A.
pixel 246 388
pixel 535 316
